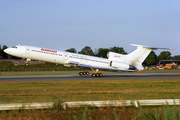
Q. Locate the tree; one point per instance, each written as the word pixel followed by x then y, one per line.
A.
pixel 87 51
pixel 176 57
pixel 0 52
pixel 4 55
pixel 117 50
pixel 102 52
pixel 165 55
pixel 73 50
pixel 151 59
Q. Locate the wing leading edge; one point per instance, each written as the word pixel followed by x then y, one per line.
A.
pixel 73 63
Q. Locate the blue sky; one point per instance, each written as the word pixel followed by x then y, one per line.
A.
pixel 64 24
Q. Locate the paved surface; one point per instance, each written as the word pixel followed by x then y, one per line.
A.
pixel 132 76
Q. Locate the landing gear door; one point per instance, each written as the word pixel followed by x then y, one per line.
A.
pixel 27 50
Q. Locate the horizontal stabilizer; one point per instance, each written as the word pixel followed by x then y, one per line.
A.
pixel 153 48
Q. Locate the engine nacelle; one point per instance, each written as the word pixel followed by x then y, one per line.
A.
pixel 139 67
pixel 114 56
pixel 121 65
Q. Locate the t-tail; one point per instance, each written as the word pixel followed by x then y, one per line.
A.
pixel 135 58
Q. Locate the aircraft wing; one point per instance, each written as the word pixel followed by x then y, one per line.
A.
pixel 104 68
pixel 73 63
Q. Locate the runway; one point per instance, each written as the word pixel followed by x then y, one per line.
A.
pixel 129 76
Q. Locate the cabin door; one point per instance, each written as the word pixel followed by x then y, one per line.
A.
pixel 27 51
pixel 65 56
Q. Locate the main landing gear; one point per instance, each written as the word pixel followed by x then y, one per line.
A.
pixel 83 73
pixel 95 74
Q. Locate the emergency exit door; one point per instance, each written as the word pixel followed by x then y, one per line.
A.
pixel 27 50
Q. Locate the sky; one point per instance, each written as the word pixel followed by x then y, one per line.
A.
pixel 64 24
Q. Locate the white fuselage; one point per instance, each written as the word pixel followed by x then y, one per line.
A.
pixel 115 62
pixel 59 57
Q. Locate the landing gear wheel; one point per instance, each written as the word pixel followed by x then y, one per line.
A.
pixel 100 74
pixel 83 73
pixel 97 74
pixel 93 75
pixel 80 73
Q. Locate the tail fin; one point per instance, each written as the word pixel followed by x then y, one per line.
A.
pixel 140 54
pixel 135 58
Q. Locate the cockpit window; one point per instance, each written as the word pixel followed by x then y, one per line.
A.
pixel 14 47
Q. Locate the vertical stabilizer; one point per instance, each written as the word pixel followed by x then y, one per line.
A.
pixel 140 54
pixel 137 57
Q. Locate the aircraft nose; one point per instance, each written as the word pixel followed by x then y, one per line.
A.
pixel 7 50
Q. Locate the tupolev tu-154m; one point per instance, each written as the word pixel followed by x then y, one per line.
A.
pixel 115 62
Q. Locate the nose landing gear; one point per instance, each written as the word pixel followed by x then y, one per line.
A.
pixel 26 64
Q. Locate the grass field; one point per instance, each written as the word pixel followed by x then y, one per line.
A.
pixel 52 91
pixel 47 91
pixel 25 92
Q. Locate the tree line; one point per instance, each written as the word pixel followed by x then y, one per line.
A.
pixel 152 58
pixel 3 55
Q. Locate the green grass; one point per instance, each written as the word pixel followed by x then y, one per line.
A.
pixel 49 91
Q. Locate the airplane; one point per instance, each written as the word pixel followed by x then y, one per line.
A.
pixel 116 62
